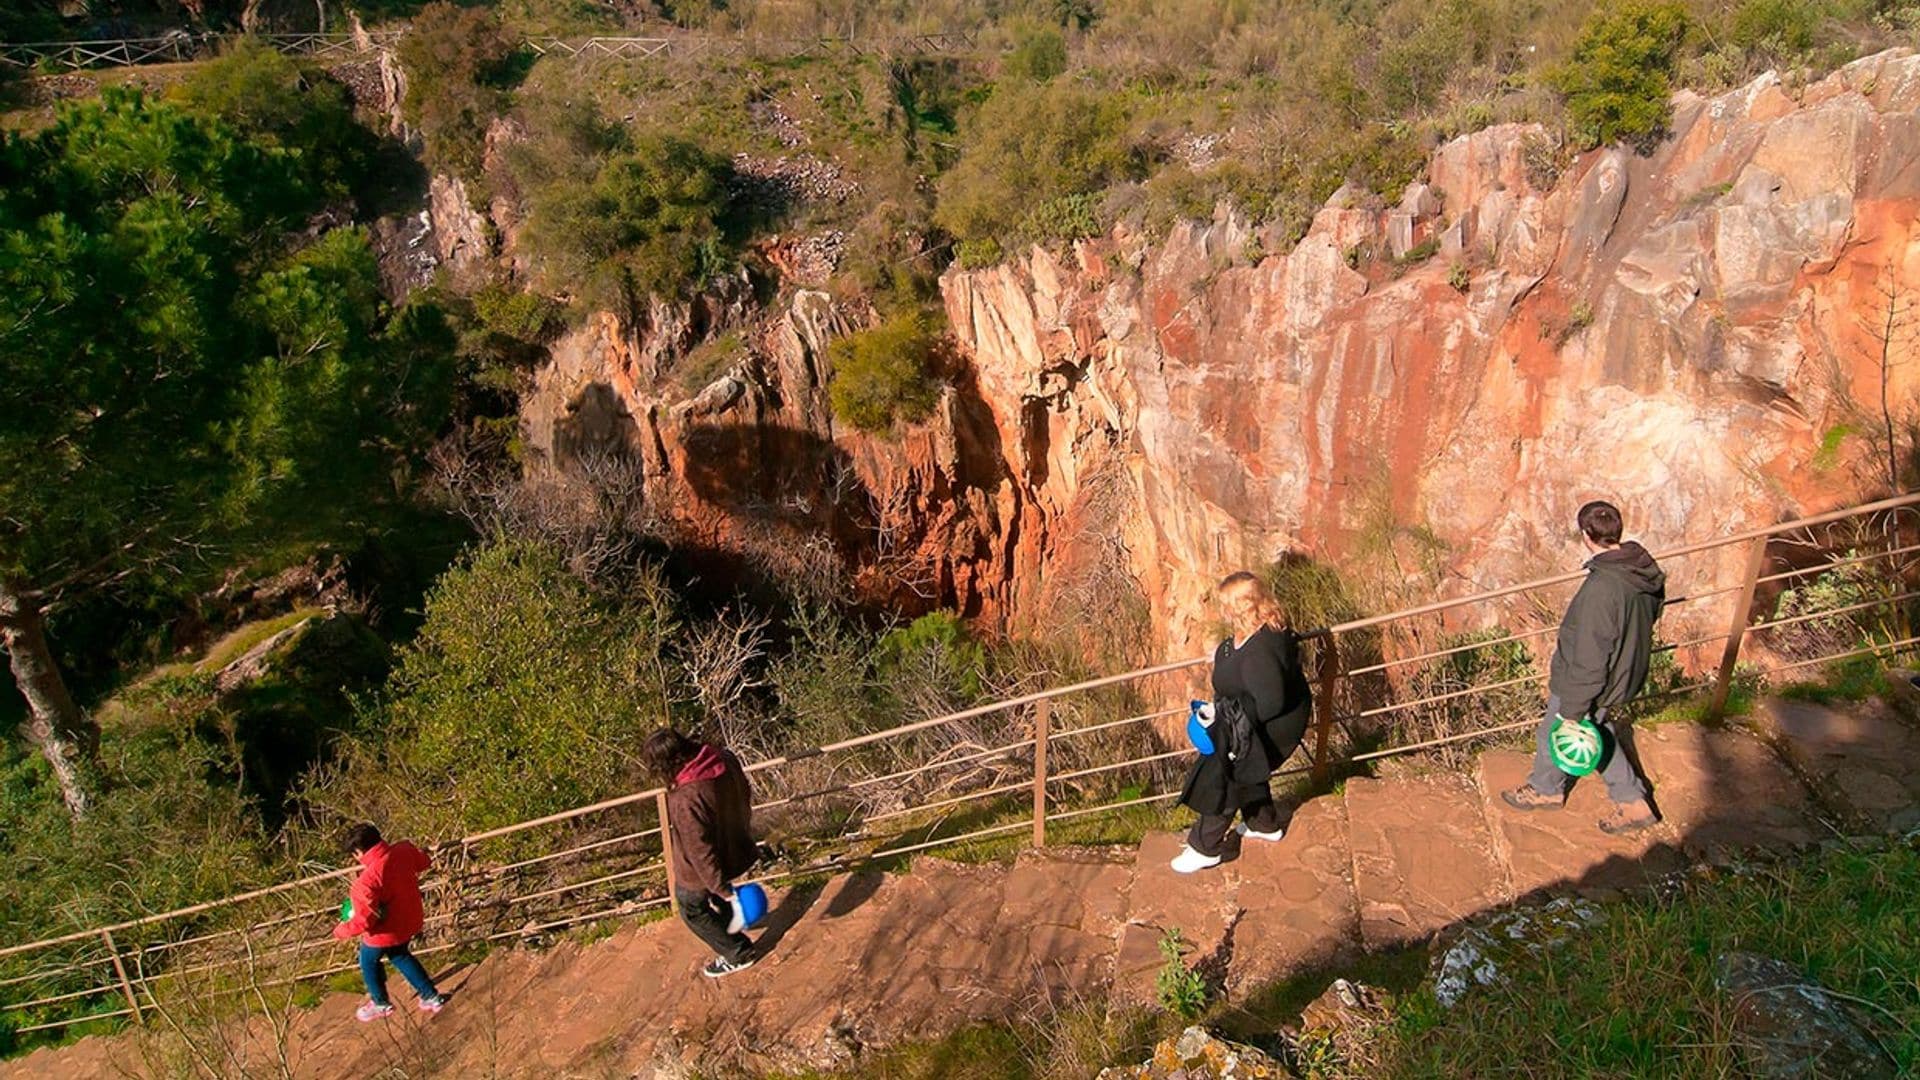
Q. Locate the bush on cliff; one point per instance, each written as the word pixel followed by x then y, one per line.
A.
pixel 1618 79
pixel 457 60
pixel 1035 157
pixel 885 375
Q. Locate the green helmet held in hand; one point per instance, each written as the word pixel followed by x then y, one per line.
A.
pixel 1577 746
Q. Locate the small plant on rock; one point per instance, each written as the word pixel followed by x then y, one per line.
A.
pixel 1181 990
pixel 885 374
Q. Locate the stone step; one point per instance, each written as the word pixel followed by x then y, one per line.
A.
pixel 1201 906
pixel 1297 907
pixel 1423 856
pixel 1564 849
pixel 1864 759
pixel 1722 791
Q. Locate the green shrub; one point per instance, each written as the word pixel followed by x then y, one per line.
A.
pixel 510 313
pixel 1039 53
pixel 1616 83
pixel 270 100
pixel 1418 253
pixel 524 693
pixel 1382 158
pixel 825 684
pixel 1459 277
pixel 1034 146
pixel 1775 26
pixel 169 826
pixel 885 375
pixel 890 256
pixel 934 649
pixel 650 219
pixel 976 254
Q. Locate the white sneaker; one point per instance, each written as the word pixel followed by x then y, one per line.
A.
pixel 1190 861
pixel 1241 828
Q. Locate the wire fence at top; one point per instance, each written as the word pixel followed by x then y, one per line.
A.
pixel 182 46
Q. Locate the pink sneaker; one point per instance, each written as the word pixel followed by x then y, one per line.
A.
pixel 432 1006
pixel 369 1012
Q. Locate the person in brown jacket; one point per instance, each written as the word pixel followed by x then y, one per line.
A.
pixel 710 826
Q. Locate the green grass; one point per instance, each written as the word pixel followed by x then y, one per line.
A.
pixel 1635 995
pixel 235 645
pixel 1854 679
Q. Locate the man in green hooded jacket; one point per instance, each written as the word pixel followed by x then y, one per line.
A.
pixel 1600 663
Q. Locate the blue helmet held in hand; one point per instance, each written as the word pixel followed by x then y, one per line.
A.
pixel 749 907
pixel 1199 721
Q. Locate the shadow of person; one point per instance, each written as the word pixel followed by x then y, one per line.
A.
pixel 787 914
pixel 859 889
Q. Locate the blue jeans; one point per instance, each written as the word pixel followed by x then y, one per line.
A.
pixel 1623 784
pixel 403 962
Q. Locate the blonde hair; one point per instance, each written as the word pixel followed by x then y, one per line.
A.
pixel 1266 608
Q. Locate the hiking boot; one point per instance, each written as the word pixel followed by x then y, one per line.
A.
pixel 1190 861
pixel 723 967
pixel 1249 834
pixel 369 1012
pixel 434 1004
pixel 1525 797
pixel 1629 818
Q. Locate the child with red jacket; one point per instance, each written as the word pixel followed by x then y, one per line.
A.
pixel 386 915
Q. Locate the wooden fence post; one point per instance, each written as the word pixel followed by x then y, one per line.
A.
pixel 1042 711
pixel 126 984
pixel 1323 706
pixel 1737 629
pixel 666 851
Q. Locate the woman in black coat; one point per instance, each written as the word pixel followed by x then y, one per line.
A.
pixel 1255 670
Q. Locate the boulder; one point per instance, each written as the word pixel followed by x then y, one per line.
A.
pixel 1481 954
pixel 1197 1055
pixel 1790 1027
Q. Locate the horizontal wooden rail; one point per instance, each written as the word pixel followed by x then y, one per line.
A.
pixel 1773 624
pixel 1821 568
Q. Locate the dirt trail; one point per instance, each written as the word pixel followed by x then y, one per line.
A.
pixel 871 959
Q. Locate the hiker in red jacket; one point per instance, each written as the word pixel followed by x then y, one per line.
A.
pixel 710 823
pixel 386 916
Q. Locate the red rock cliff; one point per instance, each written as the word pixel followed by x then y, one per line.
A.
pixel 1691 334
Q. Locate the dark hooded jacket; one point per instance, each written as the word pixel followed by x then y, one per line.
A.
pixel 710 816
pixel 1606 638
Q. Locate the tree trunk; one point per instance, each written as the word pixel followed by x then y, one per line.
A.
pixel 67 737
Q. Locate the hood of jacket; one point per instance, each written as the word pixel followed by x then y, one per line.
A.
pixel 708 764
pixel 1631 564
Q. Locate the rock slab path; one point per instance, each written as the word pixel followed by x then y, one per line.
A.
pixel 870 960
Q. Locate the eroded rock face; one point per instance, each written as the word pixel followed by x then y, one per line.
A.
pixel 1678 333
pixel 1675 333
pixel 747 461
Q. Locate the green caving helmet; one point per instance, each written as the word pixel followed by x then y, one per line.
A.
pixel 1576 745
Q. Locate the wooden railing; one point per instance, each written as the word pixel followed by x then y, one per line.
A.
pixel 1028 764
